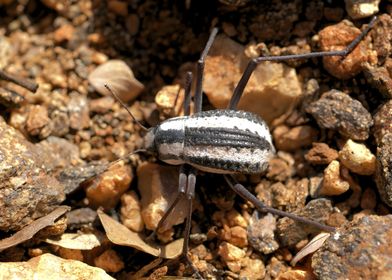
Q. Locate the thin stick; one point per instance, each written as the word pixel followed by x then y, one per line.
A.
pixel 27 84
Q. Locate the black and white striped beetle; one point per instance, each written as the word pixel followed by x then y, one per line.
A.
pixel 218 141
pixel 221 141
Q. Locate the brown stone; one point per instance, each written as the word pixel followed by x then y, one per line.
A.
pixel 27 190
pixel 337 110
pixel 109 261
pixel 321 153
pixel 291 139
pixel 51 267
pixel 106 189
pixel 337 37
pixel 64 33
pixel 359 250
pixel 131 211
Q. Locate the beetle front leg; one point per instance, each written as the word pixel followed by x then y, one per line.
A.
pixel 190 194
pixel 182 184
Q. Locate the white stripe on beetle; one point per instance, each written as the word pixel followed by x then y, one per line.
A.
pixel 217 122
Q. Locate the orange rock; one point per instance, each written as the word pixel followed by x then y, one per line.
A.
pixel 337 37
pixel 107 188
pixel 64 33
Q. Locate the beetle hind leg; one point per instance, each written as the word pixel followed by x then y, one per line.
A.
pixel 245 194
pixel 239 89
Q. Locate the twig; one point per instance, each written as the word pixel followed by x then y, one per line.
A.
pixel 27 84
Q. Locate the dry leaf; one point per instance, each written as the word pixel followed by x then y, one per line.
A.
pixel 311 247
pixel 121 235
pixel 78 241
pixel 119 77
pixel 29 231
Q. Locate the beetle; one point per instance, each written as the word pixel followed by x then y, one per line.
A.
pixel 227 141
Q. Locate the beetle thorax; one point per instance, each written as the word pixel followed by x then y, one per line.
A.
pixel 169 140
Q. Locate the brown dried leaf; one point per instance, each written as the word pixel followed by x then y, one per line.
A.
pixel 311 247
pixel 121 235
pixel 119 77
pixel 78 241
pixel 29 231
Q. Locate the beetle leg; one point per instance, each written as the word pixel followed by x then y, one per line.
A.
pixel 188 94
pixel 239 89
pixel 200 71
pixel 182 186
pixel 245 194
pixel 190 194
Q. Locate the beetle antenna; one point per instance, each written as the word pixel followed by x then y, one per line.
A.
pixel 126 157
pixel 123 158
pixel 125 107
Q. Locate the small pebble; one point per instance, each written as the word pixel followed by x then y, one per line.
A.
pixel 337 110
pixel 296 274
pixel 358 158
pixel 315 183
pixel 357 9
pixel 170 100
pixel 338 37
pixel 382 39
pixel 235 235
pixel 281 168
pixel 234 218
pixel 261 233
pixel 108 187
pixel 101 105
pixel 252 269
pixel 229 252
pixel 291 195
pixel 321 154
pixel 37 123
pixel 275 267
pixel 333 183
pixel 59 122
pixel 48 266
pixel 131 212
pixel 118 7
pixel 291 139
pixel 78 111
pixel 109 261
pixel 64 33
pixel 60 6
pixel 81 217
